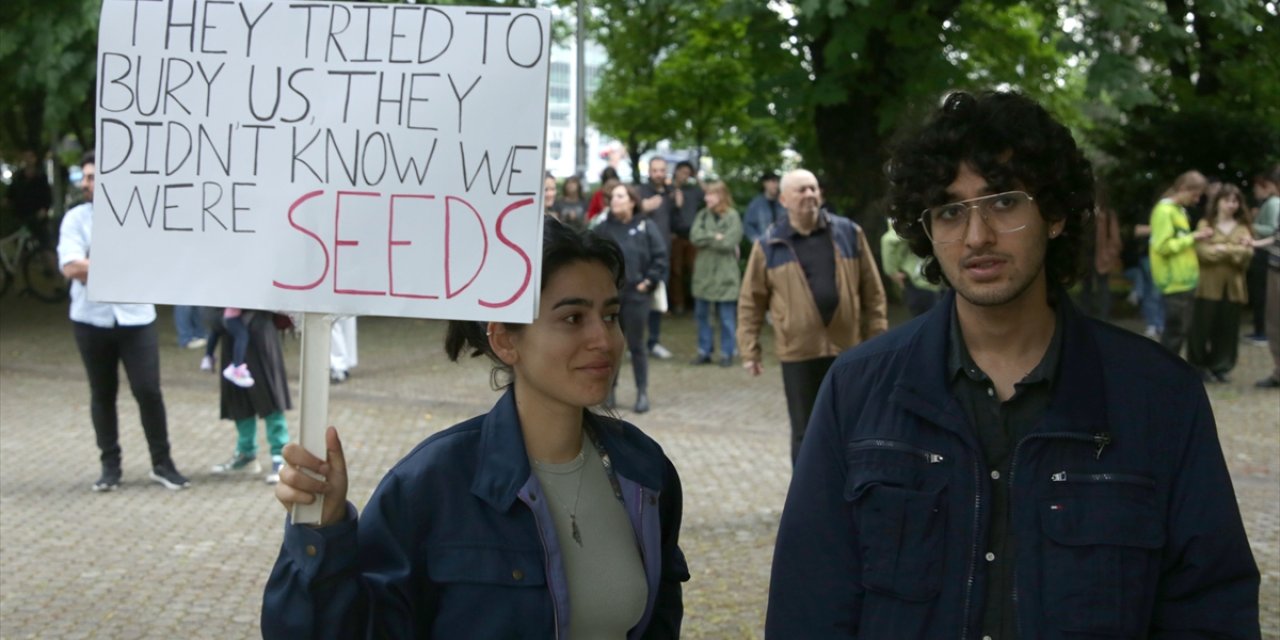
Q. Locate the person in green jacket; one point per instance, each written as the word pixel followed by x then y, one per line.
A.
pixel 716 232
pixel 1174 265
pixel 906 269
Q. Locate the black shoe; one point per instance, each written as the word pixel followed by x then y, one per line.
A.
pixel 726 361
pixel 1206 377
pixel 642 402
pixel 109 481
pixel 701 359
pixel 1221 376
pixel 1269 382
pixel 167 475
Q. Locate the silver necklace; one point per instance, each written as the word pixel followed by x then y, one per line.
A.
pixel 573 513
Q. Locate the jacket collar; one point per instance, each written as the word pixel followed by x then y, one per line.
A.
pixel 783 231
pixel 502 464
pixel 1079 391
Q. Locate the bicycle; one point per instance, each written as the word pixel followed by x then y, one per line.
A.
pixel 38 263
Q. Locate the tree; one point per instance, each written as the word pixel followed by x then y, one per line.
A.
pixel 48 52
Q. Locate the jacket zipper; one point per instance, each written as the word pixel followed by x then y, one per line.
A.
pixel 1100 439
pixel 929 456
pixel 973 555
pixel 1064 476
pixel 546 566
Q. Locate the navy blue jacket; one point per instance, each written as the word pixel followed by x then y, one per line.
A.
pixel 458 542
pixel 1125 517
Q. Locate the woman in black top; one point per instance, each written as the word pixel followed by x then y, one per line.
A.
pixel 645 255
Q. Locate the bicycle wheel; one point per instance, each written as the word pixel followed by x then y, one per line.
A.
pixel 44 279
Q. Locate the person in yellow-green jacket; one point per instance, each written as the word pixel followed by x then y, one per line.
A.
pixel 1174 265
pixel 906 269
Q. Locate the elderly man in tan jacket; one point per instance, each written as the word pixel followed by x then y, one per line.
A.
pixel 815 275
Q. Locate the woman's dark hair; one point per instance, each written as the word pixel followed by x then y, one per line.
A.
pixel 1228 190
pixel 1014 144
pixel 633 194
pixel 577 187
pixel 608 172
pixel 561 247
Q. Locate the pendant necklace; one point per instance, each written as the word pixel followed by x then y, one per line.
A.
pixel 573 513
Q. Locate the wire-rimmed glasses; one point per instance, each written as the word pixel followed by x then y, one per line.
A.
pixel 1004 212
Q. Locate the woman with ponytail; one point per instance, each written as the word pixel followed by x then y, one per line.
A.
pixel 539 519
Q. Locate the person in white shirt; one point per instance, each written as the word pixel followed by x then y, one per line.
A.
pixel 109 335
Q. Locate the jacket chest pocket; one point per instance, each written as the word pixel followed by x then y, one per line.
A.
pixel 488 592
pixel 1100 551
pixel 896 497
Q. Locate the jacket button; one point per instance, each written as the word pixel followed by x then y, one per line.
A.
pixel 991 557
pixel 311 550
pixel 995 474
pixel 517 574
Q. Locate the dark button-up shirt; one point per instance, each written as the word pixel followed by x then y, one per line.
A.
pixel 999 426
pixel 817 257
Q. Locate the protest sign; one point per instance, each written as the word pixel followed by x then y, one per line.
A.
pixel 357 158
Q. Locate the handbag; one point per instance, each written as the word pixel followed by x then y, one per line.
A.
pixel 658 301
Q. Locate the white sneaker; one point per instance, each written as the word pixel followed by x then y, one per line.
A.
pixel 660 352
pixel 206 363
pixel 1152 333
pixel 276 463
pixel 238 376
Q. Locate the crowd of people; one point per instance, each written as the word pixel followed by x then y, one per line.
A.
pixel 905 518
pixel 904 442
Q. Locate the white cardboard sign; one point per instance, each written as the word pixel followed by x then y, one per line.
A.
pixel 360 158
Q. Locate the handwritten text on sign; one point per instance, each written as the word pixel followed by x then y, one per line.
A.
pixel 315 156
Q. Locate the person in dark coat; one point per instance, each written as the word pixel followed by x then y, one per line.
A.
pixel 537 519
pixel 268 399
pixel 1003 466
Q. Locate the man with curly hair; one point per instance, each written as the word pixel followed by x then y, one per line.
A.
pixel 1003 466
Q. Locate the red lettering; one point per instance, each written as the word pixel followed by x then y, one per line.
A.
pixel 338 243
pixel 528 264
pixel 293 207
pixel 392 243
pixel 449 291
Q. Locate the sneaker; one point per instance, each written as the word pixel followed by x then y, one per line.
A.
pixel 1269 382
pixel 276 463
pixel 1258 340
pixel 338 377
pixel 702 358
pixel 167 475
pixel 239 463
pixel 660 352
pixel 206 363
pixel 1152 332
pixel 726 361
pixel 238 375
pixel 108 481
pixel 197 343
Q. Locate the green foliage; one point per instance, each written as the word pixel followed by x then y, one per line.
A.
pixel 48 52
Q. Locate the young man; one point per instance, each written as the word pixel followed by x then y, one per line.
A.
pixel 1174 265
pixel 764 209
pixel 110 335
pixel 815 274
pixel 657 202
pixel 1002 466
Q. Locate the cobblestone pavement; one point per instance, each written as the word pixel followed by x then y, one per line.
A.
pixel 144 562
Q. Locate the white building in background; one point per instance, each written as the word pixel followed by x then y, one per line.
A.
pixel 562 113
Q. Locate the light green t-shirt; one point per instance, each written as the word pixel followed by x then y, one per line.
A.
pixel 607 587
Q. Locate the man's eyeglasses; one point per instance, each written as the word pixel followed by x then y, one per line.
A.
pixel 1004 212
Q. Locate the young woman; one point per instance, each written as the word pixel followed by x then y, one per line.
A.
pixel 538 519
pixel 1224 258
pixel 645 254
pixel 572 207
pixel 716 232
pixel 549 189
